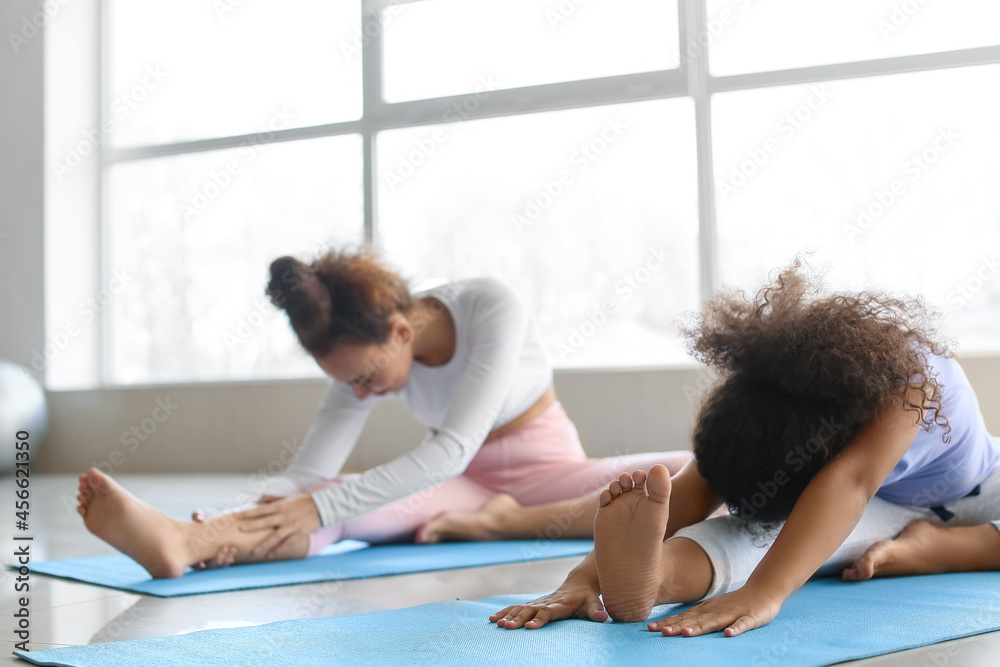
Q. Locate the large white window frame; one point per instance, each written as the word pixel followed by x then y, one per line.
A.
pixel 691 79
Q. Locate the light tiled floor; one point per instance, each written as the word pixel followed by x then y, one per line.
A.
pixel 66 613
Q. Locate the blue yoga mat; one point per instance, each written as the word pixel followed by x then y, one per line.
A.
pixel 826 621
pixel 345 560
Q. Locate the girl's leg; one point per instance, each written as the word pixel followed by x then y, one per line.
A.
pixel 401 519
pixel 165 546
pixel 969 541
pixel 734 546
pixel 636 568
pixel 923 548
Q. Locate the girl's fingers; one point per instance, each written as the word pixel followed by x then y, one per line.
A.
pixel 500 614
pixel 509 616
pixel 526 614
pixel 742 624
pixel 540 619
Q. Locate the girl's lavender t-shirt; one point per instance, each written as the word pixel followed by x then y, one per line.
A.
pixel 934 472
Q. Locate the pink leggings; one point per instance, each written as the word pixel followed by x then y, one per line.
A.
pixel 541 462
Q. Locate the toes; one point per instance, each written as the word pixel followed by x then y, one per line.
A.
pixel 95 479
pixel 615 488
pixel 598 615
pixel 639 477
pixel 658 483
pixel 626 481
pixel 605 498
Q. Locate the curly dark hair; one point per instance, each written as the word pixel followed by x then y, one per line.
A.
pixel 344 297
pixel 801 373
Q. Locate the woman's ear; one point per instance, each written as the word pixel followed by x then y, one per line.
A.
pixel 402 327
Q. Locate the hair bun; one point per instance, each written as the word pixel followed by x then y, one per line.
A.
pixel 296 288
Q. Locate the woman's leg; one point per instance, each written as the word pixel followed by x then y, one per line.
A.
pixel 548 486
pixel 400 520
pixel 165 546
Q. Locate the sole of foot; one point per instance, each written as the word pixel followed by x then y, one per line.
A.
pixel 628 540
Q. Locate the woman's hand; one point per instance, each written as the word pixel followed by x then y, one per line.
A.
pixel 734 613
pixel 225 558
pixel 201 516
pixel 566 602
pixel 287 517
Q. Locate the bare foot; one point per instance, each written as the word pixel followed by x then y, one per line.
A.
pixel 150 537
pixel 628 540
pixel 484 524
pixel 912 552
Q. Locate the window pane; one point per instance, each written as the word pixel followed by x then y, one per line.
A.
pixel 193 236
pixel 434 48
pixel 575 209
pixel 891 180
pixel 190 69
pixel 803 34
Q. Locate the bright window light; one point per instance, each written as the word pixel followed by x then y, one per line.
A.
pixel 190 69
pixel 590 213
pixel 891 181
pixel 763 35
pixel 436 48
pixel 193 236
pixel 580 151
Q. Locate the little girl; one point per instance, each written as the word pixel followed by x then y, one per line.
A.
pixel 468 360
pixel 838 423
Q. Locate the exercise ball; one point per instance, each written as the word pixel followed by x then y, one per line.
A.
pixel 22 408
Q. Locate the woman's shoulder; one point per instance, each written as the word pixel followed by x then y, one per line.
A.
pixel 471 292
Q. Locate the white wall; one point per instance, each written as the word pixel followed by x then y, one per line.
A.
pixel 244 427
pixel 21 189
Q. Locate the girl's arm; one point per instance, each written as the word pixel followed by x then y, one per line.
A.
pixel 824 515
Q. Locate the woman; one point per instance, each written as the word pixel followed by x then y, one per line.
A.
pixel 467 359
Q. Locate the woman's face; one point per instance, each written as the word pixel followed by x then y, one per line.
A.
pixel 373 369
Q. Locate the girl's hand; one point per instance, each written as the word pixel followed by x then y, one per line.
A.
pixel 735 613
pixel 287 517
pixel 568 602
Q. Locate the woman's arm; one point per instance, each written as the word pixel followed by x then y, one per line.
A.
pixel 326 445
pixel 824 515
pixel 499 323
